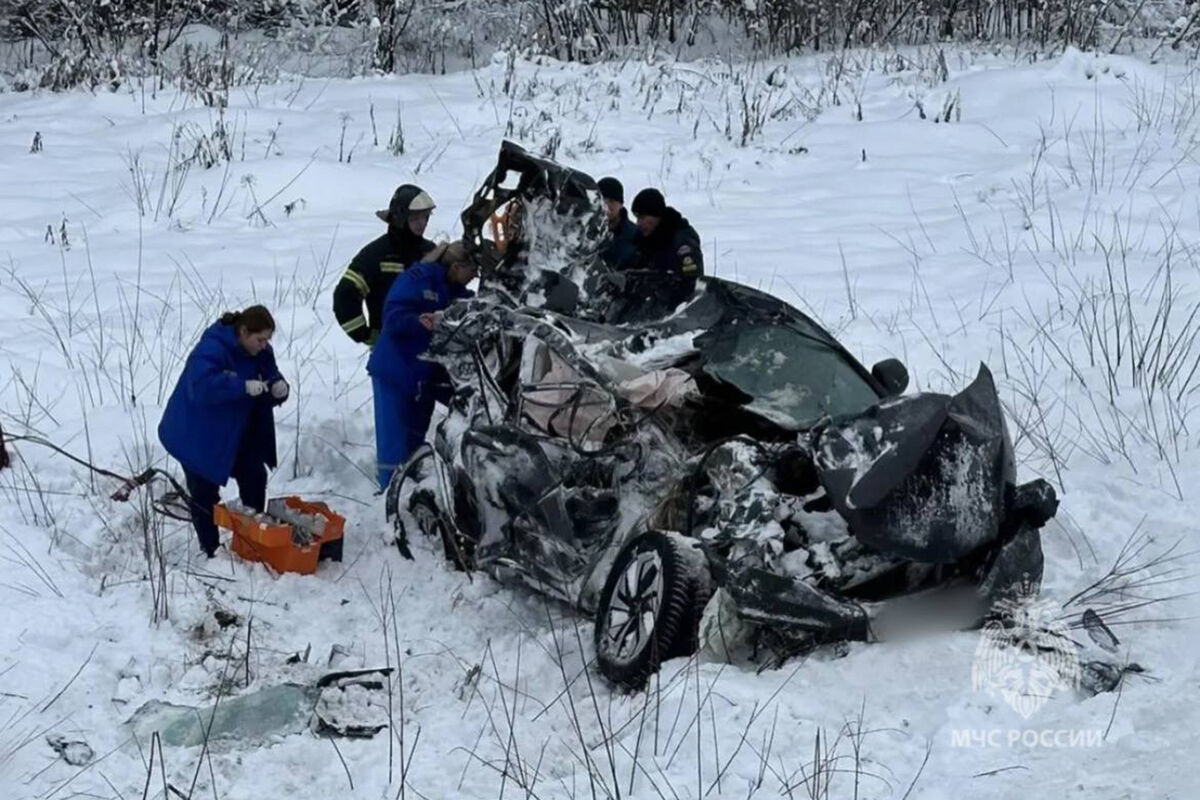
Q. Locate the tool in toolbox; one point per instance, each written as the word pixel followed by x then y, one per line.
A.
pixel 292 536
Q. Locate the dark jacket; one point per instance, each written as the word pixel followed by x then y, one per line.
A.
pixel 370 276
pixel 619 252
pixel 674 247
pixel 422 289
pixel 209 412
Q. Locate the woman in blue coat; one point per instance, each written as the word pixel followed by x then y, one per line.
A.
pixel 405 385
pixel 219 421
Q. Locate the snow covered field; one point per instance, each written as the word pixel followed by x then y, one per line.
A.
pixel 1039 216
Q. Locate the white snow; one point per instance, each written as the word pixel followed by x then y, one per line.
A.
pixel 991 237
pixel 664 351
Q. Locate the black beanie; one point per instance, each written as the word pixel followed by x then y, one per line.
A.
pixel 611 189
pixel 649 202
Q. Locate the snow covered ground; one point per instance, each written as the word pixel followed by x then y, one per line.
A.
pixel 1037 215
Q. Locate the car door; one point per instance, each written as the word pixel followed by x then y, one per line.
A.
pixel 569 506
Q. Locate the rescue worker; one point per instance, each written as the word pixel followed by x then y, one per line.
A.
pixel 219 421
pixel 619 252
pixel 405 385
pixel 665 241
pixel 372 272
pixel 666 263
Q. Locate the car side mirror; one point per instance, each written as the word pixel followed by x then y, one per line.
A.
pixel 892 375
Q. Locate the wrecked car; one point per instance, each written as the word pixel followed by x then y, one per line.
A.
pixel 700 469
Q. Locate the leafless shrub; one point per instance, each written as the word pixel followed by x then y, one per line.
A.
pixel 635 745
pixel 1112 367
pixel 1135 581
pixel 77 43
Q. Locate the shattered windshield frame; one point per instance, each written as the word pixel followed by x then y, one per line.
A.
pixel 791 376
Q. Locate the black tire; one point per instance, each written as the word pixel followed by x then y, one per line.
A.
pixel 1015 568
pixel 432 521
pixel 412 471
pixel 687 640
pixel 647 597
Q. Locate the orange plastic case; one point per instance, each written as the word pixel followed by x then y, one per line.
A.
pixel 272 543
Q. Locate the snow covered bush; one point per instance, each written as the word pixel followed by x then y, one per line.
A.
pixel 95 43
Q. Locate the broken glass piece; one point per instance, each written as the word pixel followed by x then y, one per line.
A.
pixel 1100 633
pixel 254 717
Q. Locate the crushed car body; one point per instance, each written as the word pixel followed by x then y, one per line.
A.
pixel 652 457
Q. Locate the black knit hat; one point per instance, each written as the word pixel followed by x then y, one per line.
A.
pixel 649 203
pixel 611 189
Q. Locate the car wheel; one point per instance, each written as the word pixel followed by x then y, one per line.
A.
pixel 432 522
pixel 1016 568
pixel 412 473
pixel 687 639
pixel 647 597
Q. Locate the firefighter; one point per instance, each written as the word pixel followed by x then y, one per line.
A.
pixel 372 272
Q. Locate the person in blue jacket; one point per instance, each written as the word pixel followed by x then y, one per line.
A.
pixel 620 251
pixel 405 386
pixel 219 421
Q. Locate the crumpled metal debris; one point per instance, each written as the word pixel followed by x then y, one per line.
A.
pixel 352 703
pixel 75 752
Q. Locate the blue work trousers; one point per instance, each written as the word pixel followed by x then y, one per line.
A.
pixel 401 422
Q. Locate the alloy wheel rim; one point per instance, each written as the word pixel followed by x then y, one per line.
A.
pixel 634 606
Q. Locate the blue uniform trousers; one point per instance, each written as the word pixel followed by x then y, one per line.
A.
pixel 401 422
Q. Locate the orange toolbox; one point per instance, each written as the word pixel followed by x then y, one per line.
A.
pixel 292 536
